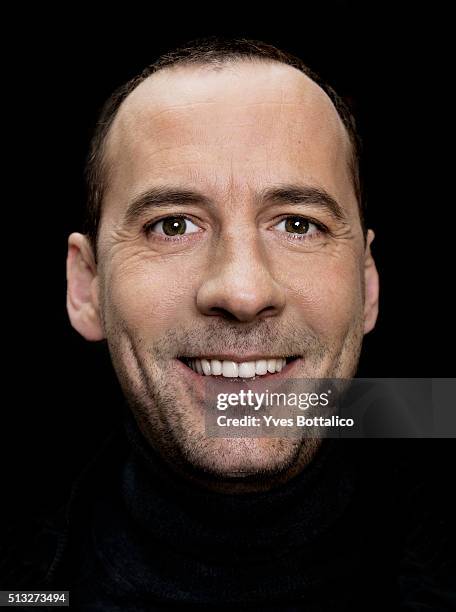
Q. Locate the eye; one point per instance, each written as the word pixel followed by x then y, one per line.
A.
pixel 297 225
pixel 172 226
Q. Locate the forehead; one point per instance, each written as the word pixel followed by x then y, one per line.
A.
pixel 235 127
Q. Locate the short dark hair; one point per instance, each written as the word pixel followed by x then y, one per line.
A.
pixel 213 51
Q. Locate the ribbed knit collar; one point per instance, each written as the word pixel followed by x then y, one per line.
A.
pixel 161 538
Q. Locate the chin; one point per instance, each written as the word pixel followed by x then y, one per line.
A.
pixel 240 458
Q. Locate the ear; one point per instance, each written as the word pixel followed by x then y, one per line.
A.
pixel 82 288
pixel 371 286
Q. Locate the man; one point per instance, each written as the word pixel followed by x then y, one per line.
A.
pixel 226 241
pixel 228 229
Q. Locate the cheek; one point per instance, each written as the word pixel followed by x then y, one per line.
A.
pixel 150 298
pixel 326 293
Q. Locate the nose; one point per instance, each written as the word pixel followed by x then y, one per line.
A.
pixel 239 285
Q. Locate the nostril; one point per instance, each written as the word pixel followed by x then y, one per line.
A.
pixel 242 293
pixel 268 311
pixel 241 316
pixel 222 312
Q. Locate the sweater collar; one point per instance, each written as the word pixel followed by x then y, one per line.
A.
pixel 167 508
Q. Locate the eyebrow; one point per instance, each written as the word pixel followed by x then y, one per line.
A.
pixel 307 195
pixel 161 197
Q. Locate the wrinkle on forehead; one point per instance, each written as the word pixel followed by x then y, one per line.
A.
pixel 245 116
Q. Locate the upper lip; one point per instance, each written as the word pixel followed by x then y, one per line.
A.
pixel 237 357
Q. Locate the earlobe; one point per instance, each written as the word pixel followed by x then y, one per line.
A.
pixel 371 287
pixel 82 289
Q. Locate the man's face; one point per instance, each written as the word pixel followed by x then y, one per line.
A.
pixel 255 263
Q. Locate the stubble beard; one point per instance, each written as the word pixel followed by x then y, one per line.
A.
pixel 168 411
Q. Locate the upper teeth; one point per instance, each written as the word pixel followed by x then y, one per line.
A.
pixel 233 369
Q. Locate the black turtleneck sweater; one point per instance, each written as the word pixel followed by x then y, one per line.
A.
pixel 365 526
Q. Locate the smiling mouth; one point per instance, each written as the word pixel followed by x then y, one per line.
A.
pixel 208 366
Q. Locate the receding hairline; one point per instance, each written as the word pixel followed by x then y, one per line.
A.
pixel 204 67
pixel 206 55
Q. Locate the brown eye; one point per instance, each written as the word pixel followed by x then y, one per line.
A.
pixel 173 226
pixel 297 225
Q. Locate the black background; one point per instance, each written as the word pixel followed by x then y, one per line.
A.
pixel 60 395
